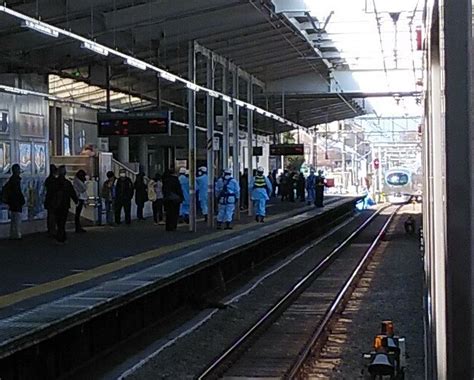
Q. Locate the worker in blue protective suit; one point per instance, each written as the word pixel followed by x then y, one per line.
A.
pixel 184 208
pixel 227 193
pixel 311 187
pixel 201 186
pixel 261 188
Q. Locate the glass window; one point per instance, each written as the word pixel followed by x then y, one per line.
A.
pixel 397 179
pixel 67 140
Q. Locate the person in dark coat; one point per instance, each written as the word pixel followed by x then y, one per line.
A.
pixel 275 183
pixel 141 194
pixel 49 185
pixel 244 185
pixel 13 197
pixel 172 198
pixel 292 185
pixel 300 187
pixel 62 194
pixel 320 184
pixel 283 189
pixel 79 184
pixel 123 197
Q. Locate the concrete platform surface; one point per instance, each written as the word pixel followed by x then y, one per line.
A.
pixel 37 270
pixel 16 329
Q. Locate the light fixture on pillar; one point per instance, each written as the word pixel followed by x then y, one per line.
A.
pixel 40 27
pixel 192 86
pixel 136 63
pixel 167 76
pixel 96 48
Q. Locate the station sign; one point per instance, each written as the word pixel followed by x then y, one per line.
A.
pixel 133 123
pixel 287 150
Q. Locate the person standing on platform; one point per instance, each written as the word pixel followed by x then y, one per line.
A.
pixel 320 184
pixel 300 187
pixel 261 188
pixel 49 185
pixel 311 186
pixel 283 189
pixel 80 187
pixel 172 198
pixel 141 195
pixel 108 195
pixel 13 197
pixel 202 183
pixel 155 195
pixel 123 197
pixel 63 193
pixel 244 181
pixel 184 208
pixel 228 194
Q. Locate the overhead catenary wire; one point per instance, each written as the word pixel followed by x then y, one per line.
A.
pixel 379 28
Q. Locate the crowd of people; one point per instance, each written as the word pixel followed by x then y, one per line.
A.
pixel 169 195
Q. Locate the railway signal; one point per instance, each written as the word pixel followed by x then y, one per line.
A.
pixel 376 164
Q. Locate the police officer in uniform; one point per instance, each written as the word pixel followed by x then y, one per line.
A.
pixel 227 193
pixel 261 188
pixel 319 193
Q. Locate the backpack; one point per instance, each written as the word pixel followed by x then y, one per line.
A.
pixel 151 191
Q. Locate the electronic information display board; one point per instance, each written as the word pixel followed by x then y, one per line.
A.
pixel 133 123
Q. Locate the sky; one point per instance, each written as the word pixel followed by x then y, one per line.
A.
pixel 382 55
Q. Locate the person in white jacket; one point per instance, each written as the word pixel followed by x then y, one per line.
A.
pixel 80 187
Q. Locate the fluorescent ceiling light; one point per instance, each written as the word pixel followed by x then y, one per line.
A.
pixel 165 75
pixel 260 111
pixel 40 27
pixel 240 103
pixel 227 98
pixel 214 94
pixel 95 48
pixel 136 63
pixel 192 86
pixel 251 107
pixel 14 90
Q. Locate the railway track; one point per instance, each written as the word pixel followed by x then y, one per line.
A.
pixel 279 343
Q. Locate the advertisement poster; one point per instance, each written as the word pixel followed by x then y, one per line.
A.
pixel 5 157
pixel 40 159
pixel 25 157
pixel 4 123
pixel 31 125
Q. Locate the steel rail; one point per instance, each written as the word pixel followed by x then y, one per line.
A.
pixel 342 295
pixel 271 315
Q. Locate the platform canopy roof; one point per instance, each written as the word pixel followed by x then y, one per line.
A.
pixel 267 45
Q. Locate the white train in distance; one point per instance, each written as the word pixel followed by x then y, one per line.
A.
pixel 400 186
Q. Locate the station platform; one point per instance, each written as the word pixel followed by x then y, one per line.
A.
pixel 48 288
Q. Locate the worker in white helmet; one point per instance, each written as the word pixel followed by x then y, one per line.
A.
pixel 184 208
pixel 228 194
pixel 261 188
pixel 201 186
